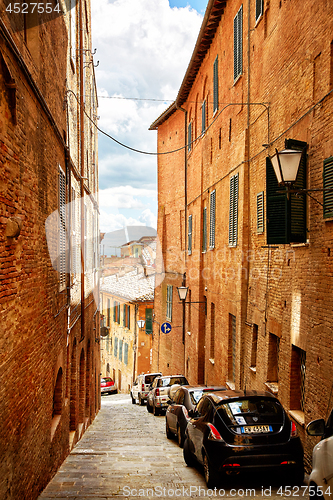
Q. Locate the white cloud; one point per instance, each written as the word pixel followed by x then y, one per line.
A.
pixel 148 218
pixel 125 197
pixel 112 222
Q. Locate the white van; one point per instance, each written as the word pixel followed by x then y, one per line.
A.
pixel 141 387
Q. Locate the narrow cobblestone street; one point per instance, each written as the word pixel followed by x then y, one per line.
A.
pixel 125 454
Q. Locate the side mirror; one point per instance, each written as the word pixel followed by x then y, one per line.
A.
pixel 316 427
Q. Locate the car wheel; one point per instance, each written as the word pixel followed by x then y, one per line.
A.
pixel 169 434
pixel 133 400
pixel 149 408
pixel 180 437
pixel 188 455
pixel 141 401
pixel 209 472
pixel 156 411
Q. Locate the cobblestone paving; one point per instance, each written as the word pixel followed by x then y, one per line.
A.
pixel 125 454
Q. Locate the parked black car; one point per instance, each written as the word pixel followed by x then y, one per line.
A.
pixel 237 431
pixel 180 408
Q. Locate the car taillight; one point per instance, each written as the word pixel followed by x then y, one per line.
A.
pixel 214 433
pixel 231 465
pixel 143 387
pixel 157 393
pixel 293 432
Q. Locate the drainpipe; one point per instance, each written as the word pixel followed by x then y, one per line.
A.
pixel 135 339
pixel 82 167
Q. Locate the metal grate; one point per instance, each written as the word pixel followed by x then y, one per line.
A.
pixel 233 340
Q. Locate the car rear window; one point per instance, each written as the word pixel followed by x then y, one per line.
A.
pixel 149 379
pixel 106 379
pixel 251 412
pixel 166 382
pixel 196 396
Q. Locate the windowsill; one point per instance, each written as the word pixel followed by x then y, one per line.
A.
pixel 273 387
pixel 298 416
pixel 230 385
pixel 253 369
pixel 258 20
pixel 212 361
pixel 238 78
pixel 215 112
pixel 328 219
pixel 296 245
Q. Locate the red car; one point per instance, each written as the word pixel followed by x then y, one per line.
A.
pixel 108 385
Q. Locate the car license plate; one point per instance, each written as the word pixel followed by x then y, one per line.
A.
pixel 256 429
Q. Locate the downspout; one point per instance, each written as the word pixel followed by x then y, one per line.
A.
pixel 185 235
pixel 82 168
pixel 135 339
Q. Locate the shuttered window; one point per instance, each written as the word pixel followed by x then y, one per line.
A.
pixel 238 43
pixel 328 184
pixel 124 314
pixel 259 8
pixel 115 347
pixel 120 350
pixel 149 321
pixel 260 212
pixel 204 230
pixel 203 117
pixel 126 354
pixel 189 240
pixel 233 211
pixel 212 215
pixel 286 218
pixel 216 85
pixel 189 137
pixel 62 230
pixel 169 303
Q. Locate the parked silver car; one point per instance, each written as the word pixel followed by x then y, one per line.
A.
pixel 159 395
pixel 141 387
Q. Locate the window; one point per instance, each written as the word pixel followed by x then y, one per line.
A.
pixel 328 183
pixel 126 354
pixel 203 117
pixel 238 43
pixel 232 349
pixel 233 211
pixel 286 218
pixel 204 230
pixel 108 312
pixel 73 233
pixel 149 321
pixel 169 303
pixel 115 348
pixel 254 346
pixel 62 229
pixel 259 9
pixel 273 358
pixel 189 241
pixel 297 379
pixel 260 212
pixel 216 85
pixel 128 317
pixel 212 330
pixel 189 137
pixel 212 219
pixel 120 350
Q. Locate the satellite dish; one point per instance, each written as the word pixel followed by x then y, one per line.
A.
pixel 105 331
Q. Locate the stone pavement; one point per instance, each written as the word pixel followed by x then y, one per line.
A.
pixel 125 454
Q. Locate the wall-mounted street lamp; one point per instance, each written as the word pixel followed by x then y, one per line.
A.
pixel 182 292
pixel 141 323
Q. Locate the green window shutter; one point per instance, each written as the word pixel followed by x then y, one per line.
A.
pixel 212 217
pixel 204 230
pixel 238 43
pixel 328 184
pixel 149 321
pixel 120 350
pixel 189 242
pixel 276 208
pixel 128 316
pixel 118 313
pixel 124 315
pixel 216 85
pixel 259 9
pixel 203 117
pixel 260 212
pixel 62 229
pixel 116 347
pixel 189 137
pixel 114 312
pixel 233 211
pixel 126 354
pixel 297 203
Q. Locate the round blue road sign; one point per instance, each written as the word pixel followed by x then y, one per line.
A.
pixel 166 327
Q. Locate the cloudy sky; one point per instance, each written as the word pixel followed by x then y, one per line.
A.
pixel 143 49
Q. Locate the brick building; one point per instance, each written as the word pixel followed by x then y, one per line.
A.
pixel 256 262
pixel 126 297
pixel 49 341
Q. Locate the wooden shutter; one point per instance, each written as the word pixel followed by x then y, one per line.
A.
pixel 120 350
pixel 212 217
pixel 149 321
pixel 203 117
pixel 62 229
pixel 238 43
pixel 233 211
pixel 204 230
pixel 260 212
pixel 216 85
pixel 189 137
pixel 124 315
pixel 328 183
pixel 276 208
pixel 297 203
pixel 128 316
pixel 126 354
pixel 189 242
pixel 114 311
pixel 115 347
pixel 259 9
